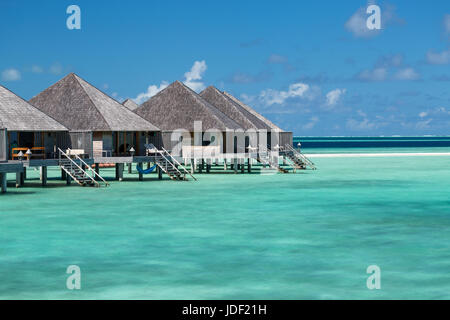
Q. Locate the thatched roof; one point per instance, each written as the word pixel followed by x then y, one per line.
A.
pixel 253 112
pixel 17 114
pixel 177 107
pixel 130 104
pixel 232 109
pixel 82 107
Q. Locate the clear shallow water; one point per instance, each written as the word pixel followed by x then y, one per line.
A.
pixel 309 235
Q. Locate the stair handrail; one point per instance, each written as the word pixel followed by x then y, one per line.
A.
pixel 178 163
pixel 71 166
pixel 302 156
pixel 90 168
pixel 167 160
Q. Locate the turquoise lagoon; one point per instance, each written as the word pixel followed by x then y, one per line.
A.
pixel 309 235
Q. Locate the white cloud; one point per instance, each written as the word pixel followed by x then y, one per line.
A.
pixel 334 96
pixel 311 124
pixel 247 98
pixel 277 59
pixel 357 25
pixel 195 74
pixel 377 74
pixel 425 124
pixel 37 69
pixel 438 57
pixel 270 96
pixel 11 75
pixel 446 24
pixel 191 80
pixel 151 91
pixel 423 114
pixel 56 69
pixel 359 125
pixel 407 74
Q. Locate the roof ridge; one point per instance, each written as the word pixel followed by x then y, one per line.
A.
pixel 118 104
pixel 30 104
pixel 227 100
pixel 253 111
pixel 77 78
pixel 209 105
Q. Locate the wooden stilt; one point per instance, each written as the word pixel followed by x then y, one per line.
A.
pixel 18 179
pixel 160 173
pixel 141 176
pixel 97 170
pixel 121 169
pixel 44 176
pixel 3 182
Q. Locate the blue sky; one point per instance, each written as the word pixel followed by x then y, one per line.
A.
pixel 309 66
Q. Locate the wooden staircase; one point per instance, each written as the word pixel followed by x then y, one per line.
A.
pixel 168 164
pixel 77 172
pixel 298 158
pixel 264 158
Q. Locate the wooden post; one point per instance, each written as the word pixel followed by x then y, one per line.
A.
pixel 242 165
pixel 200 166
pixel 141 176
pixel 3 182
pixel 249 165
pixel 18 179
pixel 129 167
pixel 68 179
pixel 225 164
pixel 208 166
pixel 192 166
pixel 159 173
pixel 235 165
pixel 120 168
pixel 97 170
pixel 44 176
pixel 63 175
pixel 23 176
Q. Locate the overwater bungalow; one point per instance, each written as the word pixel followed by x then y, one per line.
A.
pixel 31 134
pixel 177 110
pixel 98 125
pixel 284 137
pixel 130 104
pixel 248 122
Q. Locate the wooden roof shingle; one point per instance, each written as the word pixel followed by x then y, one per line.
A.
pixel 177 107
pixel 16 114
pixel 253 112
pixel 130 104
pixel 232 109
pixel 82 107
